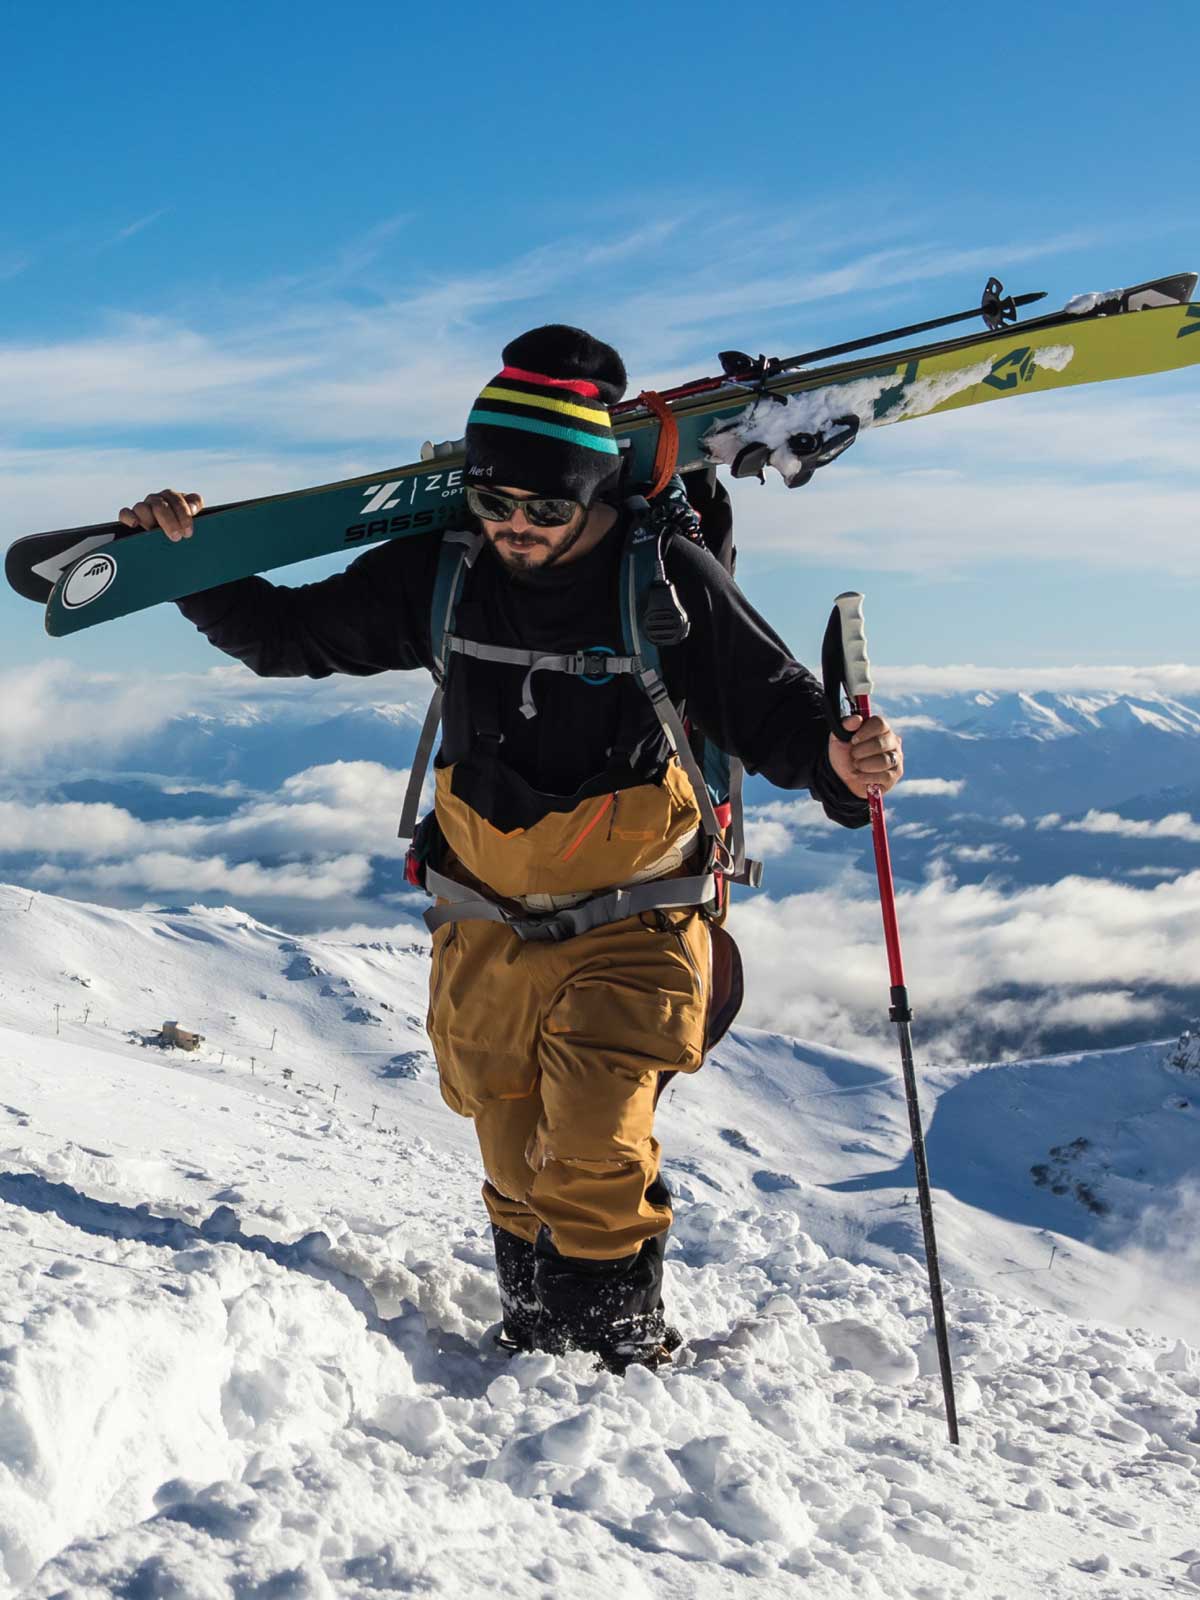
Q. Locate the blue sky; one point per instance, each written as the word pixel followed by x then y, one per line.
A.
pixel 244 248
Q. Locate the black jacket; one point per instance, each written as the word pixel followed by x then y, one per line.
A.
pixel 734 676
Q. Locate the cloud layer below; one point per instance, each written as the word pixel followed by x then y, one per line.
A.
pixel 1082 954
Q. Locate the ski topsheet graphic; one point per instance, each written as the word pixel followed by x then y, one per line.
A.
pixel 780 414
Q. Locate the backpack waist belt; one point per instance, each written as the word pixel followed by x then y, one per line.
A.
pixel 611 905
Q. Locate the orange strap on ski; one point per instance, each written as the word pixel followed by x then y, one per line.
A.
pixel 666 457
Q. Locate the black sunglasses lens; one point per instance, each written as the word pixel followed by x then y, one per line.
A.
pixel 540 512
pixel 549 513
pixel 491 507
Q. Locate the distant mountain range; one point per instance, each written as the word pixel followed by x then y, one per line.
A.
pixel 1010 761
pixel 1011 751
pixel 1005 761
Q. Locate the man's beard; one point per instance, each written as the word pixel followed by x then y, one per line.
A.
pixel 512 559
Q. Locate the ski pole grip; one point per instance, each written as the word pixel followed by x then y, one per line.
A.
pixel 854 644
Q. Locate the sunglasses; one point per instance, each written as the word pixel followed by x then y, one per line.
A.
pixel 542 512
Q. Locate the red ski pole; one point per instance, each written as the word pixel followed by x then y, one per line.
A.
pixel 844 659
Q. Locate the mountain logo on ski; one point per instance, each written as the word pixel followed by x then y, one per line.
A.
pixel 1193 326
pixel 88 582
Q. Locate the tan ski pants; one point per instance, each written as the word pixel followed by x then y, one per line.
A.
pixel 555 1052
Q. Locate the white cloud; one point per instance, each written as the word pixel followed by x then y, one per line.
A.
pixel 911 788
pixel 405 935
pixel 795 813
pixel 169 872
pixel 345 805
pixel 139 224
pixel 353 785
pixel 766 839
pixel 1164 1255
pixel 349 807
pixel 776 827
pixel 95 830
pixel 1178 825
pixel 299 360
pixel 52 707
pixel 883 516
pixel 1084 950
pixel 700 295
pixel 981 853
pixel 1051 477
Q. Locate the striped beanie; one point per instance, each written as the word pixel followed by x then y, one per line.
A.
pixel 542 423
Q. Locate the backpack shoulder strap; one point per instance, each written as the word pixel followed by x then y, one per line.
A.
pixel 640 562
pixel 639 567
pixel 715 776
pixel 455 559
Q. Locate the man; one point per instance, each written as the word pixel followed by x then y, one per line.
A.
pixel 553 788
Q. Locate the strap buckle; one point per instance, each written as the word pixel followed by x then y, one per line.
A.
pixel 532 930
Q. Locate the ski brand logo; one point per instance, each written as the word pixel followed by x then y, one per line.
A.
pixel 1018 366
pixel 383 496
pixel 893 397
pixel 1193 325
pixel 379 498
pixel 88 581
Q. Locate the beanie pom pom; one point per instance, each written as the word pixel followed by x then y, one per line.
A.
pixel 558 351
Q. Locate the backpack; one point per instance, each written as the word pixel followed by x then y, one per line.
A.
pixel 694 506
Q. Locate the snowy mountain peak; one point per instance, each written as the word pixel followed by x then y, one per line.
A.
pixel 1043 716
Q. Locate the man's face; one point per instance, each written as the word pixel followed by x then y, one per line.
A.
pixel 525 548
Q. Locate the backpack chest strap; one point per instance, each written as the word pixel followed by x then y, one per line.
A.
pixel 594 665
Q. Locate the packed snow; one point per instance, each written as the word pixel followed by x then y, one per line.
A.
pixel 247 1303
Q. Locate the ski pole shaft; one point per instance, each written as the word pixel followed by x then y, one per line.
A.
pixel 883 868
pixel 899 333
pixel 743 367
pixel 901 1015
pixel 856 675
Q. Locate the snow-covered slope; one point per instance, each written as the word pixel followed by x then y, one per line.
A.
pixel 246 1315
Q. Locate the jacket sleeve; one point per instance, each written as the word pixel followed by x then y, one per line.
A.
pixel 374 617
pixel 744 690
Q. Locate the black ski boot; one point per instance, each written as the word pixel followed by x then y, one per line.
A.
pixel 612 1308
pixel 518 1293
